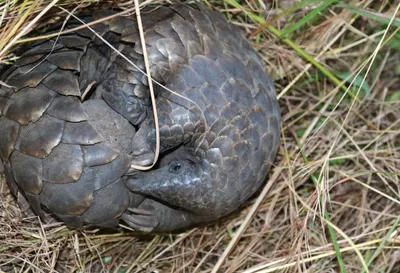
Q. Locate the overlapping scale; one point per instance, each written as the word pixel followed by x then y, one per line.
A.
pixel 74 198
pixel 70 157
pixel 28 104
pixel 38 139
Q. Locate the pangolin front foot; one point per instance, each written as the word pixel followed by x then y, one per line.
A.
pixel 142 218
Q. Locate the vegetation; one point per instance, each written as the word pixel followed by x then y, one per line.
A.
pixel 332 201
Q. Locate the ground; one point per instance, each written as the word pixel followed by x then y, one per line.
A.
pixel 331 203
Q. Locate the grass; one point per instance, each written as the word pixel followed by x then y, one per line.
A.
pixel 333 199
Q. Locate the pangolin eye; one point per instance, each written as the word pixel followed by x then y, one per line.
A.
pixel 175 167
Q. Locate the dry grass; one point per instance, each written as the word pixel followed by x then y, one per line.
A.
pixel 335 198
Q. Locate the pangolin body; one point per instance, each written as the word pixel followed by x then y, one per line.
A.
pixel 68 150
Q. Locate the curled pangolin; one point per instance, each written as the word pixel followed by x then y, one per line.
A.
pixel 70 154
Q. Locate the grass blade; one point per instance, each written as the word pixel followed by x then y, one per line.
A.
pixel 379 17
pixel 383 242
pixel 326 215
pixel 300 51
pixel 289 29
